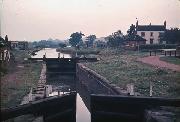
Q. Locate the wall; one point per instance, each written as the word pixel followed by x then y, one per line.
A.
pixel 148 36
pixel 94 83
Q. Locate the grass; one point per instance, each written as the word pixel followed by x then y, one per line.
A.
pixel 82 51
pixel 21 76
pixel 121 68
pixel 172 60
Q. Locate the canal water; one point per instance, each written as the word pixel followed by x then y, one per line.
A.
pixel 61 85
pixel 50 53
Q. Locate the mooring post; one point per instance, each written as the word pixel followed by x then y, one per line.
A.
pixel 130 89
pixel 150 89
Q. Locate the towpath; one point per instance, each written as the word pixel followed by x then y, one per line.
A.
pixel 155 61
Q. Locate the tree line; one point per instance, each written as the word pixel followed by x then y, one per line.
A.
pixel 171 36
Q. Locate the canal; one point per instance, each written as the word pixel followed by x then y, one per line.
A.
pixel 64 84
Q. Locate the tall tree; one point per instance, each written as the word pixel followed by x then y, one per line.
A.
pixel 172 36
pixel 75 39
pixel 132 30
pixel 116 39
pixel 2 42
pixel 90 39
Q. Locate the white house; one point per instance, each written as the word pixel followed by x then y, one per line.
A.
pixel 151 32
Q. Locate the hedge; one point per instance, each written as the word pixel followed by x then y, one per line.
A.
pixel 148 47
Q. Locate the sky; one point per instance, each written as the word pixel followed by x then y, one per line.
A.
pixel 33 20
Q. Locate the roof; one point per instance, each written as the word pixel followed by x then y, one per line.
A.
pixel 151 28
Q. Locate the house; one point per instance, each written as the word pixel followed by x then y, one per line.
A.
pixel 133 41
pixel 100 42
pixel 21 45
pixel 150 32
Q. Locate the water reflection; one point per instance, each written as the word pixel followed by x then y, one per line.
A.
pixel 59 85
pixel 50 53
pixel 82 113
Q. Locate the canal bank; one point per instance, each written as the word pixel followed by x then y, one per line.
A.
pixel 95 100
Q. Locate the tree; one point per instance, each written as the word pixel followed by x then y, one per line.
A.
pixel 62 45
pixel 75 39
pixel 172 36
pixel 116 39
pixel 132 30
pixel 4 42
pixel 90 39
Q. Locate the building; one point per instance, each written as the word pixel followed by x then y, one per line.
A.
pixel 100 42
pixel 20 45
pixel 150 32
pixel 134 41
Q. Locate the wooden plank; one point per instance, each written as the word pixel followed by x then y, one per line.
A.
pixel 121 108
pixel 43 107
pixel 147 101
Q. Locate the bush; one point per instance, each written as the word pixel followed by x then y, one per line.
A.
pixel 148 47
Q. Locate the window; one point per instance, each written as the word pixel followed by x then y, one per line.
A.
pixel 151 41
pixel 161 34
pixel 151 33
pixel 143 34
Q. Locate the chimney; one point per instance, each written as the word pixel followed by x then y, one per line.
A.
pixel 137 24
pixel 165 23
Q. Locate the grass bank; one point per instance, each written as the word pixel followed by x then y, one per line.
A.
pixel 21 76
pixel 82 51
pixel 121 68
pixel 172 60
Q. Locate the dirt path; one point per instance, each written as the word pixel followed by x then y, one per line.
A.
pixel 155 61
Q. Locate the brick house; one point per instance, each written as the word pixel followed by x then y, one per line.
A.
pixel 133 41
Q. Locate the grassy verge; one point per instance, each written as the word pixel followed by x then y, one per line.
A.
pixel 21 76
pixel 81 51
pixel 172 60
pixel 121 68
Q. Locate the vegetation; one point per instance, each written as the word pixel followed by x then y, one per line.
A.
pixel 116 39
pixel 171 36
pixel 21 76
pixel 81 51
pixel 50 43
pixel 172 60
pixel 148 47
pixel 76 39
pixel 91 39
pixel 132 30
pixel 122 68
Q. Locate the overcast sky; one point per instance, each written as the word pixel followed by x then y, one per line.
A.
pixel 42 19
